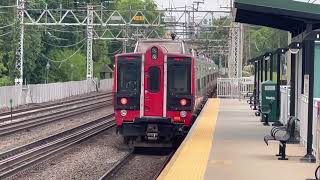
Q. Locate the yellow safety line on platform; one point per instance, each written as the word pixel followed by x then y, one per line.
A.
pixel 191 159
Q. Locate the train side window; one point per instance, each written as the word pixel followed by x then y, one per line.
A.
pixel 154 79
pixel 204 82
pixel 198 85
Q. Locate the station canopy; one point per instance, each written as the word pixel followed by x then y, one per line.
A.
pixel 288 15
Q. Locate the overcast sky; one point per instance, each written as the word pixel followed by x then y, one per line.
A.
pixel 208 4
pixel 310 1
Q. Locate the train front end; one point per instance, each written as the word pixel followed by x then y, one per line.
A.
pixel 154 96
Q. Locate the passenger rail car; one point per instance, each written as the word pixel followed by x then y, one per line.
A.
pixel 158 90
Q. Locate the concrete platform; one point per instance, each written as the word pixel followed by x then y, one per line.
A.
pixel 226 143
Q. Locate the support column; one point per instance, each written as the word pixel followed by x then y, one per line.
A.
pixel 255 94
pixel 258 79
pixel 309 57
pixel 292 85
pixel 278 99
pixel 89 41
pixel 271 67
pixel 265 69
pixel 261 69
pixel 19 52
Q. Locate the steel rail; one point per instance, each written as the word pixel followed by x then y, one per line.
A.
pixel 51 106
pixel 117 166
pixel 48 118
pixel 25 156
pixel 167 160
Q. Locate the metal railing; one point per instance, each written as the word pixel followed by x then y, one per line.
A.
pixel 39 93
pixel 234 87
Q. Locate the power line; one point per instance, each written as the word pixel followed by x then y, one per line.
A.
pixel 65 46
pixel 59 30
pixel 56 37
pixel 1 35
pixel 64 60
pixel 5 26
pixel 117 51
pixel 2 7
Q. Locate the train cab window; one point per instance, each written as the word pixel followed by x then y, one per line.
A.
pixel 179 78
pixel 128 76
pixel 154 79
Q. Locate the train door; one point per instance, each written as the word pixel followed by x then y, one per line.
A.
pixel 154 82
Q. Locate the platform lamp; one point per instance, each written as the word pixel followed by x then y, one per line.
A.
pixel 294 48
pixel 259 59
pixel 256 83
pixel 279 52
pixel 267 57
pixel 255 88
pixel 309 48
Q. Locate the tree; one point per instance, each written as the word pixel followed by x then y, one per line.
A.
pixel 53 44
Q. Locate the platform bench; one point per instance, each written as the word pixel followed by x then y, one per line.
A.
pixel 282 134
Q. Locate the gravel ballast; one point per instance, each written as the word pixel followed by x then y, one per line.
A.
pixel 20 138
pixel 87 160
pixel 143 166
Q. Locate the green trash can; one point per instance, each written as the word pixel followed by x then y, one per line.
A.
pixel 269 95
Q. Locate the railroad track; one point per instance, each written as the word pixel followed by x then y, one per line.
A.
pixel 25 156
pixel 15 126
pixel 6 116
pixel 112 172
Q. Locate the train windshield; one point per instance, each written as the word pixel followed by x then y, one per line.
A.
pixel 128 76
pixel 179 78
pixel 171 47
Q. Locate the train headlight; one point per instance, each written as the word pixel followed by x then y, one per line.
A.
pixel 123 101
pixel 123 112
pixel 183 114
pixel 183 102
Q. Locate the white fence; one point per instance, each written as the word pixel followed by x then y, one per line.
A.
pixel 285 103
pixel 234 87
pixel 40 93
pixel 106 84
pixel 303 117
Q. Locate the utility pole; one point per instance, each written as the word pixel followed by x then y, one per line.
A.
pixel 89 41
pixel 19 52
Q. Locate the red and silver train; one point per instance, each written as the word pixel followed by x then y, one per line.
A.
pixel 158 91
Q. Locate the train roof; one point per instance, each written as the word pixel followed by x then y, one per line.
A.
pixel 172 46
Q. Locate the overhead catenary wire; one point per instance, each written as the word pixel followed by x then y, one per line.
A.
pixel 64 60
pixel 56 37
pixel 1 35
pixel 117 51
pixel 64 46
pixel 8 25
pixel 10 6
pixel 59 30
